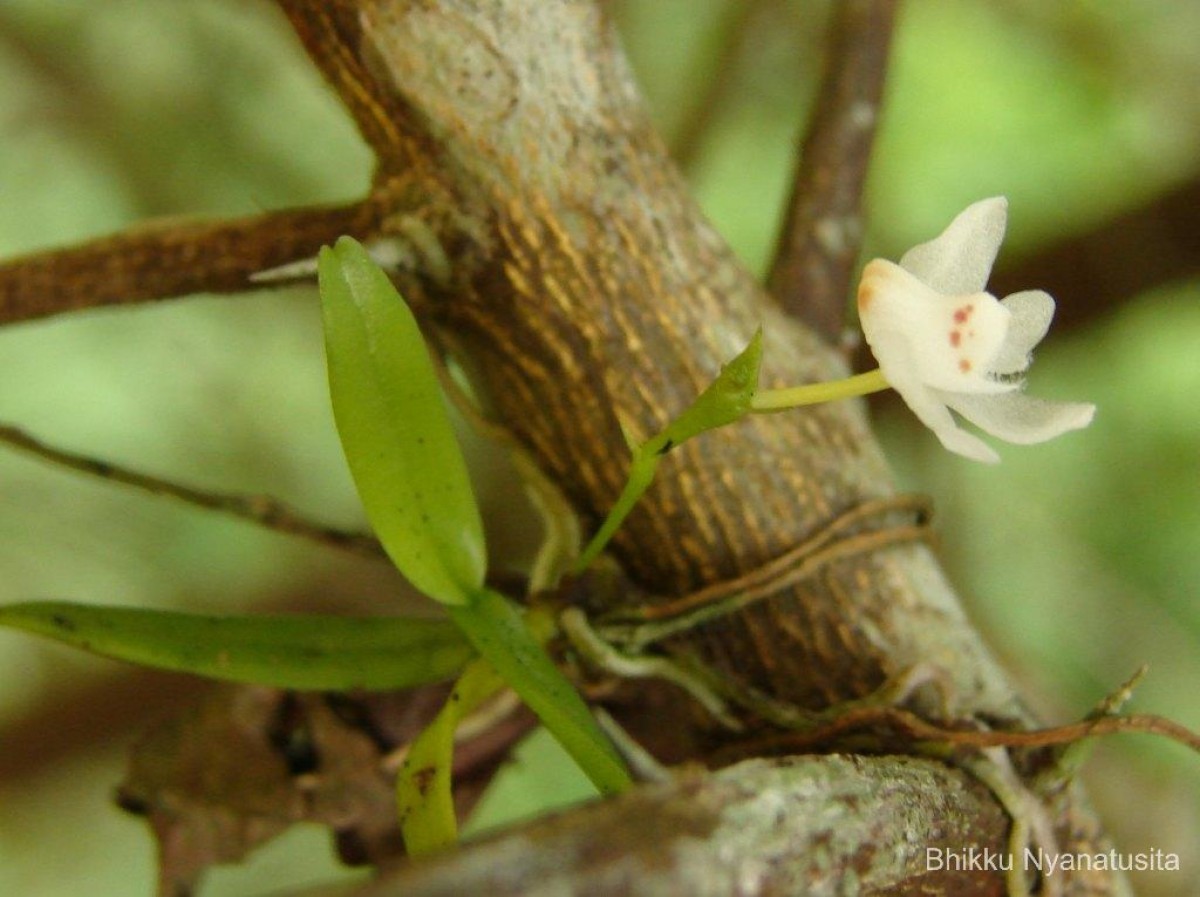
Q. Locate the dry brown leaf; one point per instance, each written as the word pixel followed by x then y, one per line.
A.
pixel 245 763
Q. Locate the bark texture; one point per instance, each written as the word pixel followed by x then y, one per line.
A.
pixel 750 829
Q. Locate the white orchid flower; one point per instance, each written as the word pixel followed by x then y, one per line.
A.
pixel 946 345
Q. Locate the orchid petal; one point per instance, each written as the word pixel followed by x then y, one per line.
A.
pixel 959 441
pixel 1021 419
pixel 929 407
pixel 931 410
pixel 959 260
pixel 1032 311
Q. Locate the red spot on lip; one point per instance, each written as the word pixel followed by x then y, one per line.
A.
pixel 964 365
pixel 955 337
pixel 962 313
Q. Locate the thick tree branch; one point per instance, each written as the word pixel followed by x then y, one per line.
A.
pixel 794 826
pixel 822 233
pixel 589 288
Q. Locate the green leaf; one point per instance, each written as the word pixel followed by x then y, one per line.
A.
pixel 303 651
pixel 397 437
pixel 496 629
pixel 423 787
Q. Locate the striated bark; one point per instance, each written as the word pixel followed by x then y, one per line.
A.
pixel 170 258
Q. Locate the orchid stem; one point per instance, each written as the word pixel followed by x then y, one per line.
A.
pixel 641 475
pixel 647 456
pixel 769 400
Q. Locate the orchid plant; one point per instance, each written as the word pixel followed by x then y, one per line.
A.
pixel 942 343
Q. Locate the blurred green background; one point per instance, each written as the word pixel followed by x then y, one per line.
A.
pixel 1081 558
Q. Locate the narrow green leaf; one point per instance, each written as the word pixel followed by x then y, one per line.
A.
pixel 423 787
pixel 498 632
pixel 303 651
pixel 394 429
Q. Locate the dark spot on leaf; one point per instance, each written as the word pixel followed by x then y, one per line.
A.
pixel 423 778
pixel 666 447
pixel 66 624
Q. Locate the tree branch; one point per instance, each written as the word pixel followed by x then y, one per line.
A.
pixel 597 300
pixel 591 298
pixel 791 826
pixel 165 259
pixel 822 233
pixel 1094 272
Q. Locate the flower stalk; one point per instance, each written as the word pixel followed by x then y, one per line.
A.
pixel 770 400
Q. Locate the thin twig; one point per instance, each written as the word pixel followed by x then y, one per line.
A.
pixel 822 234
pixel 165 259
pixel 261 510
pixel 835 541
pixel 916 728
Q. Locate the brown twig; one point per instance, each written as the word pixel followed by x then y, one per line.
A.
pixel 261 510
pixel 822 234
pixel 171 258
pixel 834 542
pixel 916 728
